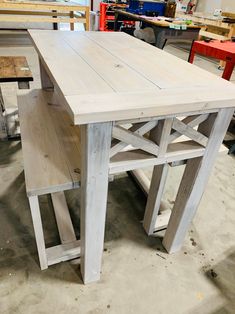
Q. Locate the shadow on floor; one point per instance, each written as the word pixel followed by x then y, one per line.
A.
pixel 222 277
pixel 7 151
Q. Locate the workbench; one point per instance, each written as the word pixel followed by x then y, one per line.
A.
pixel 12 69
pixel 44 12
pixel 224 51
pixel 161 28
pixel 117 89
pixel 211 26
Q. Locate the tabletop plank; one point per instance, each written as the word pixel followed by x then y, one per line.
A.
pixel 116 73
pixel 158 66
pixel 158 103
pixel 72 74
pixel 107 76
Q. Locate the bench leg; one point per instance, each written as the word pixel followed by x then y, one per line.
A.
pixel 45 80
pixel 63 219
pixel 95 145
pixel 154 198
pixel 193 183
pixel 37 225
pixel 23 85
pixel 3 126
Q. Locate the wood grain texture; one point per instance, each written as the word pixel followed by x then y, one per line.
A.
pixel 37 225
pixel 63 219
pixel 125 78
pixel 158 182
pixel 95 141
pixel 50 144
pixel 193 184
pixel 13 69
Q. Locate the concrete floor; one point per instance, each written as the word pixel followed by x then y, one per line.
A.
pixel 137 275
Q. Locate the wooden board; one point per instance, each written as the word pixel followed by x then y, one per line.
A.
pixel 42 5
pixel 51 161
pixel 14 69
pixel 125 78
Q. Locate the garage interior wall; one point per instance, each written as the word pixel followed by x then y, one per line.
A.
pixel 210 5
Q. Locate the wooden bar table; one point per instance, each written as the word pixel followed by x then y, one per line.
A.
pixel 118 89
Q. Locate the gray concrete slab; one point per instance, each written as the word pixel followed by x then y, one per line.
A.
pixel 138 276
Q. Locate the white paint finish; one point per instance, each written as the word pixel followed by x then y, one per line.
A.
pixel 44 132
pixel 166 102
pixel 45 80
pixel 191 121
pixel 141 179
pixel 193 184
pixel 159 76
pixel 131 160
pixel 162 221
pixel 138 128
pixel 188 131
pixel 165 132
pixel 158 182
pixel 38 230
pixel 95 141
pixel 134 139
pixel 63 252
pixel 63 219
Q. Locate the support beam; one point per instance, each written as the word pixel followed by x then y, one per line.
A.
pixel 45 79
pixel 63 219
pixel 154 198
pixel 38 230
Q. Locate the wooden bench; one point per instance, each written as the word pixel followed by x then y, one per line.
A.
pixel 51 150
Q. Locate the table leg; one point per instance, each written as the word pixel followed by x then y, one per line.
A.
pixel 228 70
pixel 55 25
pixel 193 184
pixel 115 27
pixel 159 37
pixel 95 142
pixel 71 14
pixel 45 79
pixel 191 53
pixel 23 85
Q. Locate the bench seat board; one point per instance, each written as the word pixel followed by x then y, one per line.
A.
pixel 50 144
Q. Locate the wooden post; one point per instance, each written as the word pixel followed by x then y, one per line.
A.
pixel 63 219
pixel 193 184
pixel 87 12
pixel 71 14
pixel 154 199
pixel 37 225
pixel 95 145
pixel 45 79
